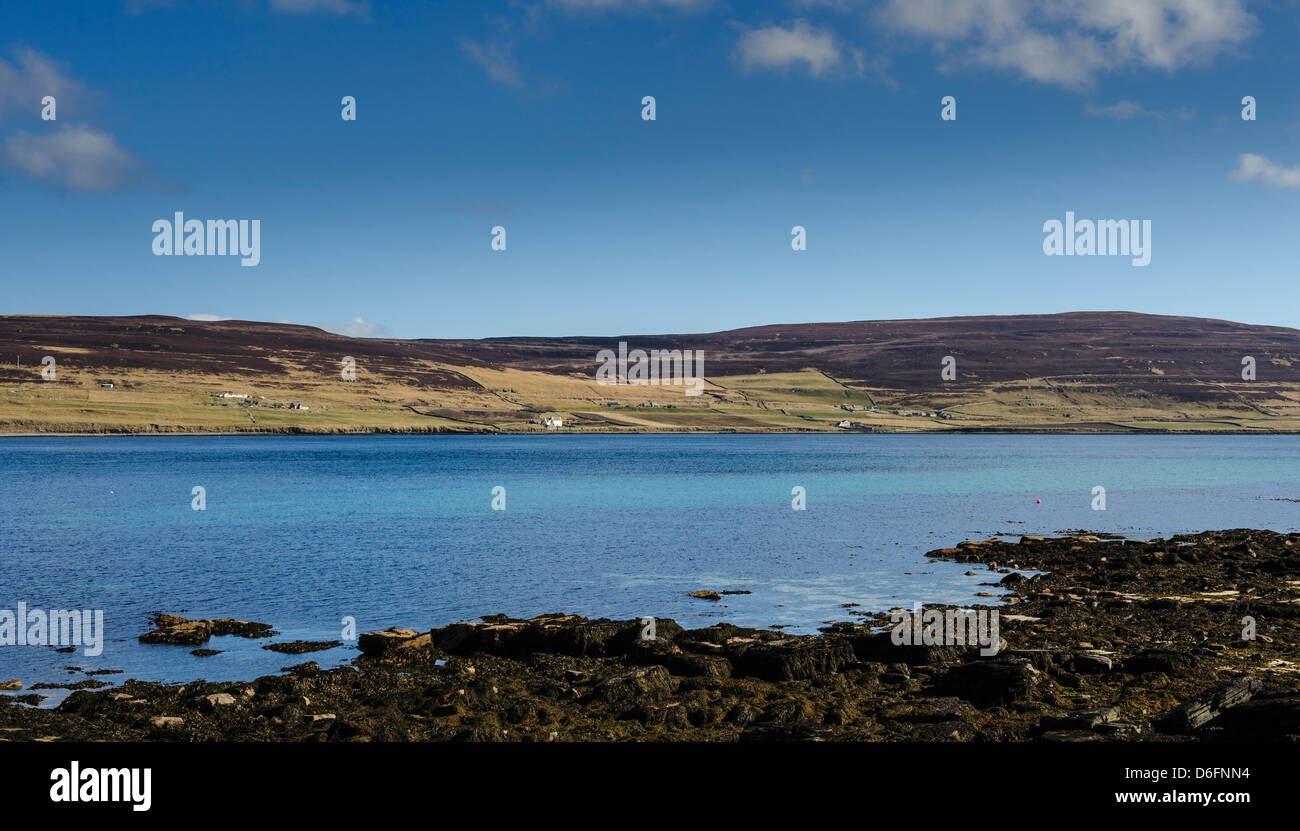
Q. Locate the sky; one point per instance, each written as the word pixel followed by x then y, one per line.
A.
pixel 528 115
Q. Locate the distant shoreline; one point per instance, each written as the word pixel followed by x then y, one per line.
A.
pixel 1070 373
pixel 509 433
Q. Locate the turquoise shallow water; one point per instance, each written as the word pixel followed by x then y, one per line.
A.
pixel 300 532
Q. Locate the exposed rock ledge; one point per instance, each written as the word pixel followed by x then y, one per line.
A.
pixel 1120 640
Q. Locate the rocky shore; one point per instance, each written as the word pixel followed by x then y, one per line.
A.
pixel 1184 639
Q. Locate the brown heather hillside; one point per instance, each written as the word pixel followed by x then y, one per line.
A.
pixel 1080 371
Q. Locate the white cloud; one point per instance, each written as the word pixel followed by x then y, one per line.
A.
pixel 1120 110
pixel 205 317
pixel 1252 167
pixel 356 328
pixel 1069 42
pixel 773 47
pixel 31 77
pixel 1124 110
pixel 496 58
pixel 76 157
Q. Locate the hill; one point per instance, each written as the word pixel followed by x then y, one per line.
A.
pixel 1074 372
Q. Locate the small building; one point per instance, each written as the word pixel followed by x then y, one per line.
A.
pixel 845 424
pixel 233 395
pixel 553 421
pixel 107 385
pixel 298 405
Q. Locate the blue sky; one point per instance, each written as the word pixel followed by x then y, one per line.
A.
pixel 527 114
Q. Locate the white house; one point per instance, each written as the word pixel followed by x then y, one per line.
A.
pixel 553 421
pixel 845 423
pixel 233 395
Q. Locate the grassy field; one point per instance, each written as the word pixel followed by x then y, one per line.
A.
pixel 511 400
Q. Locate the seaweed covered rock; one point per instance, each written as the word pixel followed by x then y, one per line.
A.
pixel 794 659
pixel 991 682
pixel 174 629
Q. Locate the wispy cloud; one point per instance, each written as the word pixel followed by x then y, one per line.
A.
pixel 1124 110
pixel 495 55
pixel 205 317
pixel 76 157
pixel 1070 42
pixel 496 58
pixel 31 77
pixel 1252 167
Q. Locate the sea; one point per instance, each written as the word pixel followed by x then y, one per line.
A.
pixel 322 537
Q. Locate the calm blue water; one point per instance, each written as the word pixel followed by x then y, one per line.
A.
pixel 299 532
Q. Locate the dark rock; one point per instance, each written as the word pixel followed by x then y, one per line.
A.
pixel 693 665
pixel 388 642
pixel 299 647
pixel 1158 660
pixel 635 687
pixel 741 715
pixel 802 732
pixel 1072 736
pixel 992 682
pixel 556 634
pixel 879 646
pixel 788 711
pixel 1208 705
pixel 1081 719
pixel 173 629
pixel 952 730
pixel 1262 719
pixel 1091 664
pixel 794 659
